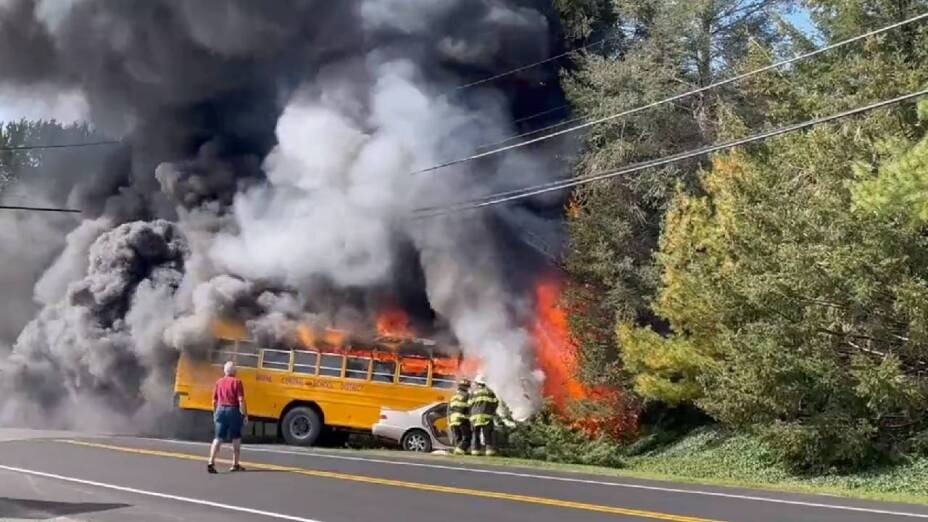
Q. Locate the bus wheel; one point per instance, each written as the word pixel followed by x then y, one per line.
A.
pixel 301 426
pixel 416 440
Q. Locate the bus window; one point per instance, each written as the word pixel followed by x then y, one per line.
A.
pixel 414 371
pixel 330 365
pixel 384 371
pixel 305 362
pixel 443 373
pixel 225 352
pixel 246 355
pixel 357 368
pixel 275 360
pixel 442 381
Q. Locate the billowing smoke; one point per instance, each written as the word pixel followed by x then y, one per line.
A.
pixel 265 176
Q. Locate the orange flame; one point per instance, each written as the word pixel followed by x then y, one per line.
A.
pixel 555 349
pixel 320 340
pixel 394 322
pixel 557 355
pixel 306 336
pixel 332 337
pixel 470 367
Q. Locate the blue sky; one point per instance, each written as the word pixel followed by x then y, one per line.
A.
pixel 800 17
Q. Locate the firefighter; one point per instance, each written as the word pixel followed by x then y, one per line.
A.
pixel 483 404
pixel 459 418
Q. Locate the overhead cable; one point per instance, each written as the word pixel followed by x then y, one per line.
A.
pixel 40 209
pixel 670 99
pixel 61 146
pixel 531 65
pixel 527 192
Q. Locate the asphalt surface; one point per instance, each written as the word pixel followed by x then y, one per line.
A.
pixel 65 477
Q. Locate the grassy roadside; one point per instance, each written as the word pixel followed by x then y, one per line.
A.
pixel 711 458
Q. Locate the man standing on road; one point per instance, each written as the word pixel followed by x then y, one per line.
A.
pixel 459 418
pixel 483 404
pixel 230 414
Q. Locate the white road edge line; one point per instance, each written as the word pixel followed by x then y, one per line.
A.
pixel 189 500
pixel 568 479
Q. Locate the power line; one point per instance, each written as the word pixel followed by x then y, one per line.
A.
pixel 531 65
pixel 61 146
pixel 513 195
pixel 542 113
pixel 581 118
pixel 535 131
pixel 40 209
pixel 676 97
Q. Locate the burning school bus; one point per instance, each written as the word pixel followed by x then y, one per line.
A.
pixel 329 381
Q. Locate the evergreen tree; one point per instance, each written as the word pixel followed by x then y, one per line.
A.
pixel 661 48
pixel 795 280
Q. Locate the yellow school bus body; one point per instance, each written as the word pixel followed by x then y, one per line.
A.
pixel 338 387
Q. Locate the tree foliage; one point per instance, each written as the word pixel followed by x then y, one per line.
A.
pixel 794 280
pixel 661 48
pixel 17 163
pixel 782 288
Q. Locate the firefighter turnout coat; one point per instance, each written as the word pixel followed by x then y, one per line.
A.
pixel 459 409
pixel 483 404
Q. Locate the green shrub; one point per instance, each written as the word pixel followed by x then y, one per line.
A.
pixel 825 444
pixel 546 437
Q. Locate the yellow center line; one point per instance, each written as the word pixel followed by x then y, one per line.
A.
pixel 413 485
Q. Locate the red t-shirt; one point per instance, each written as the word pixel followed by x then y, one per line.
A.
pixel 227 391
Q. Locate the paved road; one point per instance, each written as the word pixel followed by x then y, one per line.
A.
pixel 65 477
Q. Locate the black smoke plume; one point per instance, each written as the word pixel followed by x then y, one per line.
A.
pixel 264 175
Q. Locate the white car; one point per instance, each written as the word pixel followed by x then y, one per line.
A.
pixel 424 429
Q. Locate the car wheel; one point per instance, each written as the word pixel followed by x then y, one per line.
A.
pixel 417 440
pixel 301 426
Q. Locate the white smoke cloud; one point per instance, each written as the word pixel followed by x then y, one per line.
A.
pixel 71 263
pixel 45 103
pixel 53 13
pixel 464 284
pixel 335 188
pixel 408 16
pixel 31 241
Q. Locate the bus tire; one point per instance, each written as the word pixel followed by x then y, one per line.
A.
pixel 301 426
pixel 416 440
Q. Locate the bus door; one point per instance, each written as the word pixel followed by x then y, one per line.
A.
pixel 365 408
pixel 246 364
pixel 271 380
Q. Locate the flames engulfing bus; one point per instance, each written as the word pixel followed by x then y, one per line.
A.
pixel 329 381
